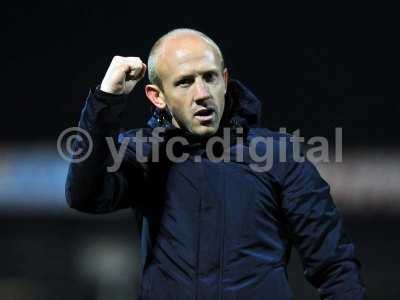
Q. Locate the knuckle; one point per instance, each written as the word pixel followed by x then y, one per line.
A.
pixel 117 59
pixel 135 61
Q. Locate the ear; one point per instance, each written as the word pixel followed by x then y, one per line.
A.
pixel 155 95
pixel 226 78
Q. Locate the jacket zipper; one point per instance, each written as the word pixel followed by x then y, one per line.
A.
pixel 222 244
pixel 198 243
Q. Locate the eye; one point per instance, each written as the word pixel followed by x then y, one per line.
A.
pixel 210 76
pixel 184 82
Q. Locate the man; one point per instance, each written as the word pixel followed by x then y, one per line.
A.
pixel 209 229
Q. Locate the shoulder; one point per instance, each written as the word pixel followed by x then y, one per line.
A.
pixel 265 132
pixel 269 140
pixel 135 133
pixel 135 140
pixel 276 152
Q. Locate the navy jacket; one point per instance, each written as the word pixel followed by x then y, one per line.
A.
pixel 216 229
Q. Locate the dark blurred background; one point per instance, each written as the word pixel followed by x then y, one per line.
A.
pixel 315 68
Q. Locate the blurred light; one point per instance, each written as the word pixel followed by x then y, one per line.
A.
pixel 32 179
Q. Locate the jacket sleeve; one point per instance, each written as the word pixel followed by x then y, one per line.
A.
pixel 90 187
pixel 316 228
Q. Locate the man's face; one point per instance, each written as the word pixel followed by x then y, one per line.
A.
pixel 193 84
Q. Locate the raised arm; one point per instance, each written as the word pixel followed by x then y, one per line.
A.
pixel 90 187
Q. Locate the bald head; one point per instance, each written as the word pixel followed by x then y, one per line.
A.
pixel 176 43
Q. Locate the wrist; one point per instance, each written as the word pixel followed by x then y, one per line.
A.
pixel 107 96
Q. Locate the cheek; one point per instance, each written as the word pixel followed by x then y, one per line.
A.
pixel 221 101
pixel 181 110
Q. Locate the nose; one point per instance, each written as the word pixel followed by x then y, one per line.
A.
pixel 201 91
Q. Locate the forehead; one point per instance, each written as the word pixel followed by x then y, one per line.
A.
pixel 186 55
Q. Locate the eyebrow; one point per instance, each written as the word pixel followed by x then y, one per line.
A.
pixel 189 76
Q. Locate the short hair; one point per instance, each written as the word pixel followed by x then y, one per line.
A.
pixel 154 52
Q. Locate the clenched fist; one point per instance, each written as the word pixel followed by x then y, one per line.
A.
pixel 122 75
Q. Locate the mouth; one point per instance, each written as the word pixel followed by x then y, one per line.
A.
pixel 204 115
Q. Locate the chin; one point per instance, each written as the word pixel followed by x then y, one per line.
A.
pixel 204 130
